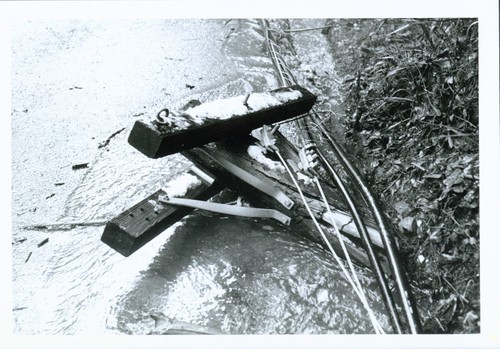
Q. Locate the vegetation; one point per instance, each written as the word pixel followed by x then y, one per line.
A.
pixel 410 90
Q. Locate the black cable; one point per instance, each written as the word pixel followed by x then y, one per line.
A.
pixel 401 280
pixel 367 244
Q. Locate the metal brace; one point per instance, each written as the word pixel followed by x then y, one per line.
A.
pixel 227 209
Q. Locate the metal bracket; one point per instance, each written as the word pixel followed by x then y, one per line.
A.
pixel 227 209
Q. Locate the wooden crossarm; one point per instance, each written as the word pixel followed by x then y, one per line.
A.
pixel 157 140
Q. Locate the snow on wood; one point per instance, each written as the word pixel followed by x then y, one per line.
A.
pixel 306 179
pixel 136 226
pixel 235 106
pixel 218 120
pixel 181 184
pixel 257 153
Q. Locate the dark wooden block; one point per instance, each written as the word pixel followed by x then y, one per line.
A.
pixel 141 223
pixel 155 140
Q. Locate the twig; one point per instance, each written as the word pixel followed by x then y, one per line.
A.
pixel 346 224
pixel 291 120
pixel 63 225
pixel 462 298
pixel 439 323
pixel 80 166
pixel 306 29
pixel 43 242
pixel 106 142
pixel 386 189
pixel 453 218
pixel 245 102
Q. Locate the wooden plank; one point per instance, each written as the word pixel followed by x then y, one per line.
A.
pixel 141 223
pixel 156 140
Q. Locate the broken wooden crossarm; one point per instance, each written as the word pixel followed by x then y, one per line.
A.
pixel 228 209
pixel 139 224
pixel 248 178
pixel 220 119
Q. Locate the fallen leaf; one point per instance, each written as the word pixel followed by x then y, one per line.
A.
pixel 447 308
pixel 470 318
pixel 449 258
pixel 433 176
pixel 458 188
pixel 408 224
pixel 454 178
pixel 401 207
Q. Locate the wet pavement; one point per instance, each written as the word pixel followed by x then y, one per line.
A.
pixel 74 84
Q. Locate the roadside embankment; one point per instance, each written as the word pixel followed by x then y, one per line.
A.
pixel 410 96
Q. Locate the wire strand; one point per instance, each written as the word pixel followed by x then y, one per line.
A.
pixel 344 249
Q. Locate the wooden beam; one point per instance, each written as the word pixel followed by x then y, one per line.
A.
pixel 141 223
pixel 156 140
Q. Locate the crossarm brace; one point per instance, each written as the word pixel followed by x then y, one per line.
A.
pixel 228 209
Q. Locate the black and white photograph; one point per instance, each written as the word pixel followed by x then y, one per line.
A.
pixel 249 179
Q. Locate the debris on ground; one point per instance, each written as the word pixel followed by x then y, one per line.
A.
pixel 106 142
pixel 43 242
pixel 80 166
